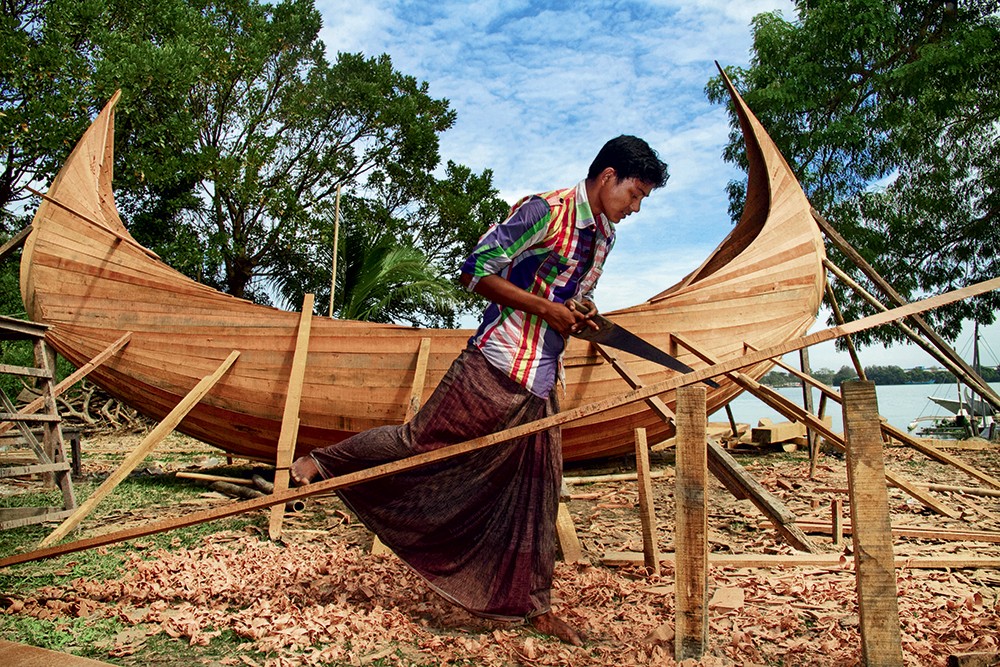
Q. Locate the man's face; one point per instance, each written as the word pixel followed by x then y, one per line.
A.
pixel 620 199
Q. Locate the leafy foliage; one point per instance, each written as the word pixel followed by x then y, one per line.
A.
pixel 236 132
pixel 888 114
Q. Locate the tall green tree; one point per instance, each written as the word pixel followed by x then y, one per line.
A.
pixel 44 79
pixel 234 130
pixel 888 113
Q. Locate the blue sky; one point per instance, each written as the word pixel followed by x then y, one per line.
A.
pixel 538 87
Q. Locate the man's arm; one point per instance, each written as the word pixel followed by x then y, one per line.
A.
pixel 559 316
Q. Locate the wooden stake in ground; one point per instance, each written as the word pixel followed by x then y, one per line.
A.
pixel 691 539
pixel 290 417
pixel 874 569
pixel 161 431
pixel 647 513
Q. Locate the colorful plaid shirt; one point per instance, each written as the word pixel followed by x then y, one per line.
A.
pixel 552 246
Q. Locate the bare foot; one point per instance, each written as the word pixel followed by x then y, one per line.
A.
pixel 550 624
pixel 303 471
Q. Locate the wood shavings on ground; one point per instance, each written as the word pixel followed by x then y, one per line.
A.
pixel 321 603
pixel 321 598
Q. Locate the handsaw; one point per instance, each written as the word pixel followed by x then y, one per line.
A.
pixel 613 335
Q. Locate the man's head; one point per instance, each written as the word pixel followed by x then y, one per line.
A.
pixel 624 172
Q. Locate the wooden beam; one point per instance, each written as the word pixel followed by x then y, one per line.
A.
pixel 162 430
pixel 691 533
pixel 569 541
pixel 290 418
pixel 647 510
pixel 427 458
pixel 878 610
pixel 968 374
pixel 16 241
pixel 834 561
pixel 419 379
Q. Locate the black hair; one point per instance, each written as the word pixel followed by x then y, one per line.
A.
pixel 630 157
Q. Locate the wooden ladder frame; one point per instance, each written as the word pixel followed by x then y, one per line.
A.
pixel 50 453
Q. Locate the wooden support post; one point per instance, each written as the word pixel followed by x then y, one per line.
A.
pixel 569 542
pixel 732 421
pixel 162 430
pixel 412 406
pixel 290 417
pixel 691 539
pixel 647 511
pixel 874 565
pixel 837 520
pixel 814 444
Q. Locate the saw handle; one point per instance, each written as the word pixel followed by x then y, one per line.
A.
pixel 588 314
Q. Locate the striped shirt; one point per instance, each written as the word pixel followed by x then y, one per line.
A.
pixel 552 246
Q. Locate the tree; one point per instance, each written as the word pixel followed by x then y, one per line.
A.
pixel 43 94
pixel 233 131
pixel 888 114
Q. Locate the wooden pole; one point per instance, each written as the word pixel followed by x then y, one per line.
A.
pixel 894 297
pixel 691 538
pixel 290 418
pixel 647 511
pixel 838 317
pixel 162 430
pixel 973 381
pixel 558 419
pixel 874 565
pixel 336 247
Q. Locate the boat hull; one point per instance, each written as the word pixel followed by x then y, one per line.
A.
pixel 84 276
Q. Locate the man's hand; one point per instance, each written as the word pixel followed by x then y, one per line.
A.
pixel 584 312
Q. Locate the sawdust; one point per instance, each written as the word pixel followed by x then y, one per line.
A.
pixel 321 597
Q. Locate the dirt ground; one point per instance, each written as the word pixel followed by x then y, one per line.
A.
pixel 321 597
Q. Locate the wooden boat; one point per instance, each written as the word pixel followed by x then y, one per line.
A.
pixel 84 276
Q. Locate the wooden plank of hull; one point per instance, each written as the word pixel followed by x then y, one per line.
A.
pixel 762 286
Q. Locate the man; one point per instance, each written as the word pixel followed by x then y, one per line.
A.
pixel 480 527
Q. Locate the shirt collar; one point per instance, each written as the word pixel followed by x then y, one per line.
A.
pixel 585 215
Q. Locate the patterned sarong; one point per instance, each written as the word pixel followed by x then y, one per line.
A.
pixel 479 527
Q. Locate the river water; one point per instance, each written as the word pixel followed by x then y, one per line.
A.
pixel 900 404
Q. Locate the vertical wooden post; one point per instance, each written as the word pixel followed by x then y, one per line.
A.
pixel 336 245
pixel 837 520
pixel 647 512
pixel 412 406
pixel 290 417
pixel 691 539
pixel 569 541
pixel 871 530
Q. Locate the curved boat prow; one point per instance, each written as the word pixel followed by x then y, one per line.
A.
pixel 84 276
